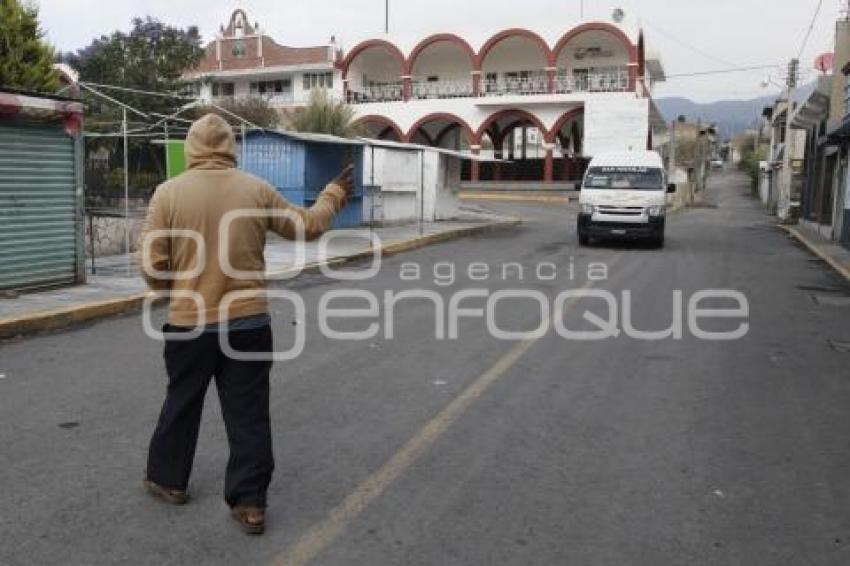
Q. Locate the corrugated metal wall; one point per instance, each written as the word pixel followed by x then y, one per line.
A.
pixel 39 243
pixel 275 159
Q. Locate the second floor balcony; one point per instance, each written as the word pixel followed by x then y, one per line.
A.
pixel 521 83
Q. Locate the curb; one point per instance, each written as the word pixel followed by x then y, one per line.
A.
pixel 65 317
pixel 815 249
pixel 62 318
pixel 516 198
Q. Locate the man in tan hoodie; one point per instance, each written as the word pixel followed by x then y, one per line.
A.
pixel 181 253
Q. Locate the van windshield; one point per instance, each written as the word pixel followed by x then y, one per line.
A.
pixel 627 178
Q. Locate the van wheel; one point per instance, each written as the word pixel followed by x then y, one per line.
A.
pixel 658 241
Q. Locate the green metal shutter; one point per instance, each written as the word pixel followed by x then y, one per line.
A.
pixel 38 207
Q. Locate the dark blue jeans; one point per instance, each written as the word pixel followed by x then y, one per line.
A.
pixel 243 390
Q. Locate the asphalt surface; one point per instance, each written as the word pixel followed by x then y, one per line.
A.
pixel 477 450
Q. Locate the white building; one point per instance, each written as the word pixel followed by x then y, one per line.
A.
pixel 545 105
pixel 243 61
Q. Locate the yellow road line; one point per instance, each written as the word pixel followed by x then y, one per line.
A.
pixel 322 534
pixel 517 198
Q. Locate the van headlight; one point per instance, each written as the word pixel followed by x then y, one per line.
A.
pixel 657 211
pixel 588 209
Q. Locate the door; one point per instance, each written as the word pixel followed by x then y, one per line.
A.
pixel 38 208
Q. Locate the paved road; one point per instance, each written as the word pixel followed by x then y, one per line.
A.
pixel 477 451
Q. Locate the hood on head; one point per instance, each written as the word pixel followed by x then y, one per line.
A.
pixel 211 144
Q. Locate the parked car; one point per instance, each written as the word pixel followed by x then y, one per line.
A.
pixel 717 164
pixel 624 195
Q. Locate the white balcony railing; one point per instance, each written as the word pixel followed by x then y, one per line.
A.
pixel 421 90
pixel 387 92
pixel 527 83
pixel 615 79
pixel 279 99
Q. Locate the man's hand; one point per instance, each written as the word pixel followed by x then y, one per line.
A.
pixel 345 180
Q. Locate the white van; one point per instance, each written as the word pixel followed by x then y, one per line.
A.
pixel 624 195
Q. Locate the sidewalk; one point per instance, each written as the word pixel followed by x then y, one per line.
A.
pixel 117 288
pixel 838 257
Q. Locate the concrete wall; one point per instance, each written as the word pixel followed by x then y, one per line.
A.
pixel 447 61
pixel 110 235
pixel 842 57
pixel 615 124
pixel 400 174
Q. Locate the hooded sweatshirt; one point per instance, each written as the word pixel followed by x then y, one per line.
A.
pixel 183 247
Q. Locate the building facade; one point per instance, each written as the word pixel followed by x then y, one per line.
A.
pixel 539 106
pixel 243 61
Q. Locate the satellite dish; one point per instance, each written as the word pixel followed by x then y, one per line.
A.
pixel 825 62
pixel 619 15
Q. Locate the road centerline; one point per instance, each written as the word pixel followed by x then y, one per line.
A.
pixel 322 534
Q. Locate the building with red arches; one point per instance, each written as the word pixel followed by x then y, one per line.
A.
pixel 541 105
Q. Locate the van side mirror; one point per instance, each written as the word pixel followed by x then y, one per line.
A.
pixel 671 188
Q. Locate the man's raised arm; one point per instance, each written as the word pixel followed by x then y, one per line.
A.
pixel 315 220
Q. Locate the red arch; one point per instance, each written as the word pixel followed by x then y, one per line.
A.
pixel 631 49
pixel 382 120
pixel 518 113
pixel 444 132
pixel 514 32
pixel 369 44
pixel 470 134
pixel 437 38
pixel 564 120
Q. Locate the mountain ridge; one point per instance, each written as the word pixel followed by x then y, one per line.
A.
pixel 731 117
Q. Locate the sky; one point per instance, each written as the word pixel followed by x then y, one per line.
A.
pixel 689 35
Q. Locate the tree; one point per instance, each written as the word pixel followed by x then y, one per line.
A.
pixel 26 61
pixel 255 110
pixel 323 115
pixel 152 57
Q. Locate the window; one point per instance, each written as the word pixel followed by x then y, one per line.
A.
pixel 271 87
pixel 433 79
pixel 318 80
pixel 628 178
pixel 222 89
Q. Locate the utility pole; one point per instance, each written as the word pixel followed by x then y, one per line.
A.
pixel 387 17
pixel 784 201
pixel 671 158
pixel 126 191
pixel 700 164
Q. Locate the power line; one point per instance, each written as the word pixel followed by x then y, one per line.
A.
pixel 723 71
pixel 138 91
pixel 693 48
pixel 811 27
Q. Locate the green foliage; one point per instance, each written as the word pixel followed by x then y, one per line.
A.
pixel 750 162
pixel 152 57
pixel 255 110
pixel 323 116
pixel 26 61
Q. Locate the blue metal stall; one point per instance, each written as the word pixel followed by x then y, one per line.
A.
pixel 300 165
